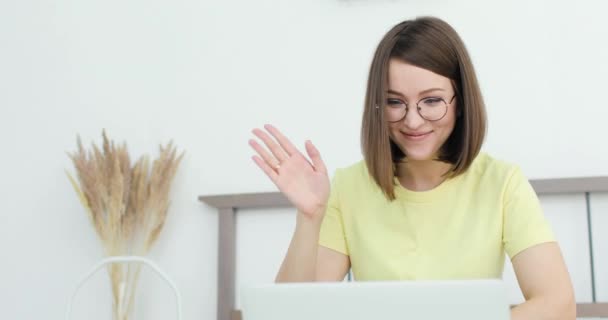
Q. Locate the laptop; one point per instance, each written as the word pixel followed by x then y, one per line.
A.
pixel 412 300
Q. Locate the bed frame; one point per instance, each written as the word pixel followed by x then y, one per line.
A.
pixel 228 205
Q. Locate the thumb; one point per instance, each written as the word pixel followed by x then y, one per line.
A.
pixel 315 156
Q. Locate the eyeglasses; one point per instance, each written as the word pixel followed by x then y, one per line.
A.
pixel 430 108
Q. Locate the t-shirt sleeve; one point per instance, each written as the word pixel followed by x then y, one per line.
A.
pixel 332 234
pixel 524 224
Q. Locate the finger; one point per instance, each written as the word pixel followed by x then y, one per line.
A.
pixel 266 168
pixel 274 147
pixel 283 141
pixel 268 158
pixel 315 156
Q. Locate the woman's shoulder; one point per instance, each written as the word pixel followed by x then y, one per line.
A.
pixel 354 179
pixel 487 166
pixel 353 171
pixel 355 176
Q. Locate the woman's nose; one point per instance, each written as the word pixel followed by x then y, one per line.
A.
pixel 412 119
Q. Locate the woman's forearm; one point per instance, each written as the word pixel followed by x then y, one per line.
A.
pixel 300 261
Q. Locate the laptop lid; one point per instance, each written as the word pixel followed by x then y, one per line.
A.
pixel 428 300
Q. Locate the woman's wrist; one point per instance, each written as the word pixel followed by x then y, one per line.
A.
pixel 313 219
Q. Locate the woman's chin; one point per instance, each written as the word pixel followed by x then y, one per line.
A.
pixel 418 155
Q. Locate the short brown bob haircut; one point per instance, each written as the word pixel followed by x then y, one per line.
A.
pixel 432 44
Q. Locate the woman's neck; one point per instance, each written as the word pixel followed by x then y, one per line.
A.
pixel 422 175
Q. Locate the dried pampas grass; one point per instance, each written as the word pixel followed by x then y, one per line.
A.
pixel 127 205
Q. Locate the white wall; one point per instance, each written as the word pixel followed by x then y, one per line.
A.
pixel 205 72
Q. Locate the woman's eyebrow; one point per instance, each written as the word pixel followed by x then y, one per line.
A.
pixel 421 92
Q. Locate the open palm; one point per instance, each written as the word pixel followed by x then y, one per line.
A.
pixel 305 184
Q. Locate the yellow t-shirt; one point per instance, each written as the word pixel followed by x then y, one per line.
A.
pixel 458 230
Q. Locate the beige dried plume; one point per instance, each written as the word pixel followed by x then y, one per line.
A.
pixel 127 206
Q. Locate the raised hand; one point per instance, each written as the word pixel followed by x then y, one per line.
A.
pixel 305 184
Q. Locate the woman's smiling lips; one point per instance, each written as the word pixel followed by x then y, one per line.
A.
pixel 416 136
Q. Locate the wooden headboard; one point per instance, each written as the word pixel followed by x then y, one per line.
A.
pixel 229 204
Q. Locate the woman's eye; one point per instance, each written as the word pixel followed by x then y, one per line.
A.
pixel 392 102
pixel 432 100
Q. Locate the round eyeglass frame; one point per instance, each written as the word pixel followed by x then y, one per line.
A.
pixel 418 109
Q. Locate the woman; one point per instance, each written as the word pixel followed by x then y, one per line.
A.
pixel 424 203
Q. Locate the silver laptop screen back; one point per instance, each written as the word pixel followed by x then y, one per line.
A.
pixel 428 300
